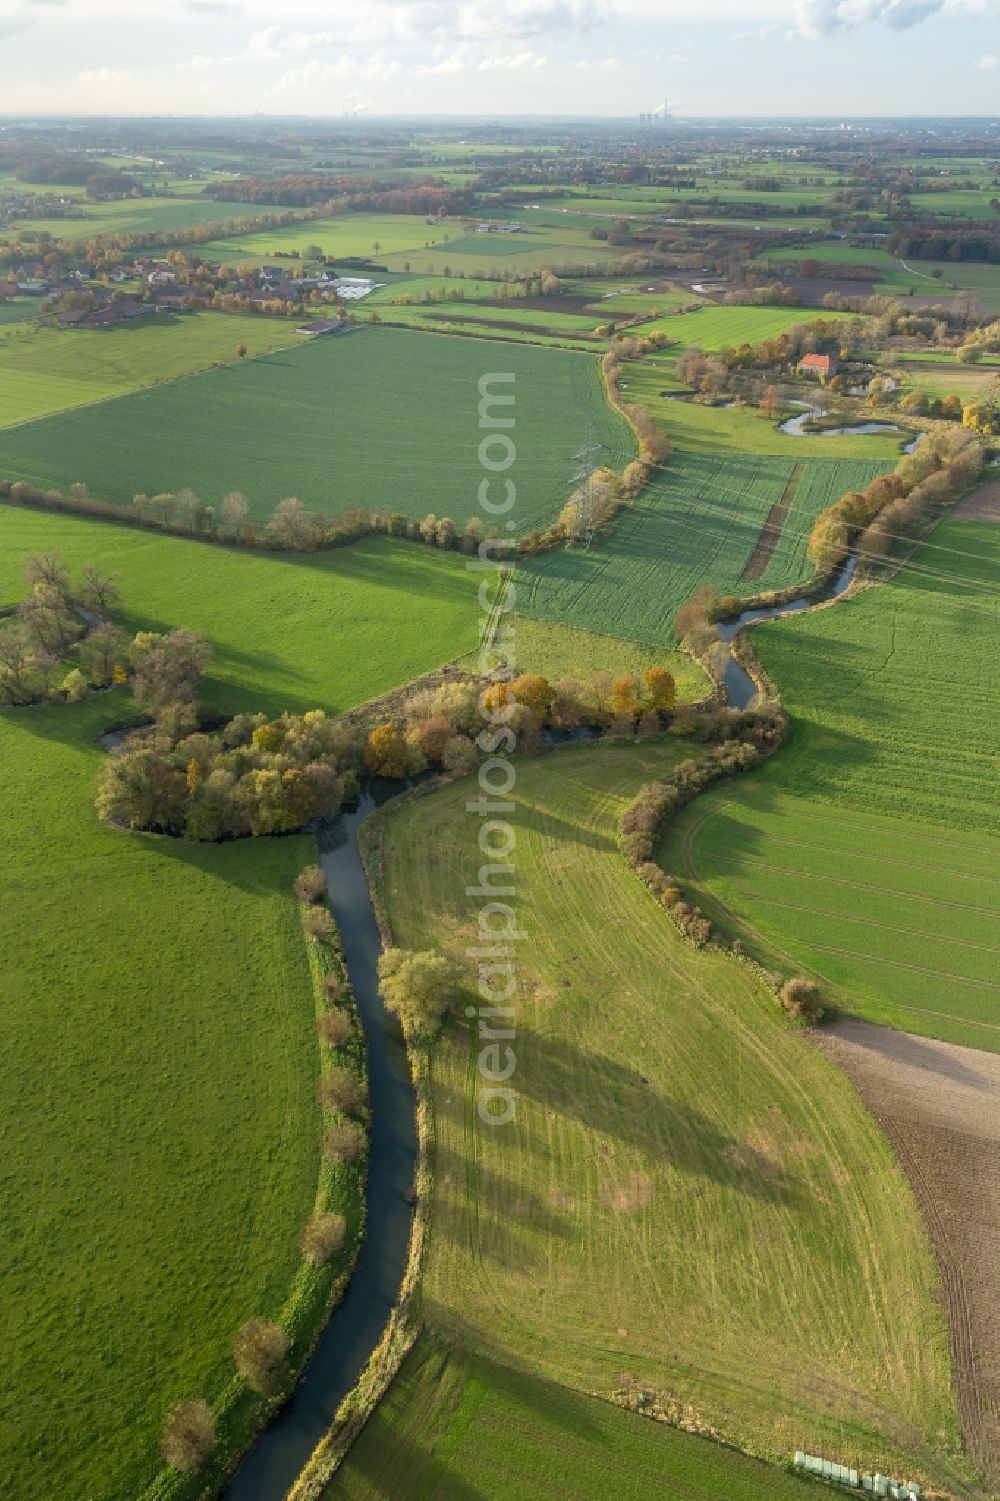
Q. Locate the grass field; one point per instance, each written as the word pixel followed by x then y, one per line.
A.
pixel 323 631
pixel 456 1427
pixel 129 216
pixel 941 374
pixel 982 281
pixel 335 422
pixel 345 235
pixel 45 370
pixel 715 328
pixel 566 244
pixel 18 309
pixel 160 1123
pixel 663 1104
pixel 558 651
pixel 697 523
pixel 513 321
pixel 396 284
pixel 868 851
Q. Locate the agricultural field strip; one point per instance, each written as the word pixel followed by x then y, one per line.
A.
pixel 897 649
pixel 454 1412
pixel 301 422
pixel 634 582
pixel 55 369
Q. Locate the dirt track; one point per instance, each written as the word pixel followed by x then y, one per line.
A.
pixel 940 1107
pixel 982 505
pixel 770 534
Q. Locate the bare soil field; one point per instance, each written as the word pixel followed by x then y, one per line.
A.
pixel 982 505
pixel 812 289
pixel 940 1107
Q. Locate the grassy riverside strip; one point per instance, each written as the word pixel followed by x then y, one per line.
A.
pixel 405 1321
pixel 889 1371
pixel 317 1290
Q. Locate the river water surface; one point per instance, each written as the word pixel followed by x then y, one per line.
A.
pixel 356 1325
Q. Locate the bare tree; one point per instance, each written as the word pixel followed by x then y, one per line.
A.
pixel 48 568
pixel 233 513
pixel 16 662
pixel 99 591
pixel 321 1236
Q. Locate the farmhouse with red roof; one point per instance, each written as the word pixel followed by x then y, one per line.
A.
pixel 823 365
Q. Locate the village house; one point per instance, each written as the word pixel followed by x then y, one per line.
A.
pixel 107 316
pixel 822 366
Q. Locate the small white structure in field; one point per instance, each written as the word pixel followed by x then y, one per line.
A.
pixel 353 288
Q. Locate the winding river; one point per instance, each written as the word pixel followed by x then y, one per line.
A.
pixel 270 1468
pixel 740 687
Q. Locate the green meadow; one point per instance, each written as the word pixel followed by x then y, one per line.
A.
pixel 322 631
pixel 342 236
pixel 664 1103
pixel 505 320
pixel 17 310
pixel 557 651
pixel 456 1425
pixel 712 327
pixel 496 255
pixel 45 370
pixel 158 1079
pixel 867 852
pixel 128 216
pixel 382 418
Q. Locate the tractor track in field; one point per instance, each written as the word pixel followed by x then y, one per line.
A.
pixel 770 532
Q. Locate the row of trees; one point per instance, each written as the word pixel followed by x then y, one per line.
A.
pixel 420 987
pixel 941 467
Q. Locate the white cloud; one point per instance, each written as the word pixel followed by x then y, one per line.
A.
pixel 106 82
pixel 756 33
pixel 315 87
pixel 511 62
pixel 823 18
pixel 509 19
pixel 451 62
pixel 273 42
pixel 986 61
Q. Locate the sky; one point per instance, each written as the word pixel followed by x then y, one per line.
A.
pixel 500 57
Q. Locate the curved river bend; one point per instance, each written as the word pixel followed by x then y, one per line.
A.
pixel 740 686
